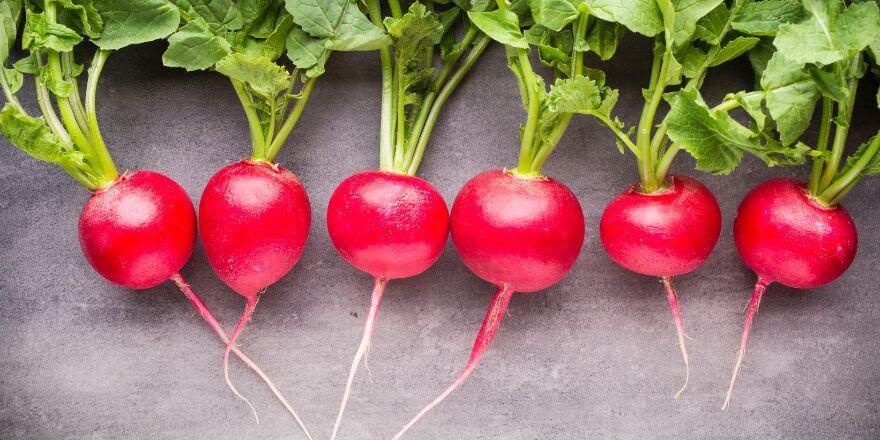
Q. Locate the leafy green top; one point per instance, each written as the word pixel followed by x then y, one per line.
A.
pixel 414 90
pixel 819 54
pixel 52 29
pixel 244 41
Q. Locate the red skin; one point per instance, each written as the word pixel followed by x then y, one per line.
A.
pixel 667 233
pixel 518 232
pixel 786 237
pixel 388 225
pixel 138 231
pixel 254 220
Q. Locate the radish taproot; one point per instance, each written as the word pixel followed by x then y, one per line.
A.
pixel 137 229
pixel 390 223
pixel 518 229
pixel 788 232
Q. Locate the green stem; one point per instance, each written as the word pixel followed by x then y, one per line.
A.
pixel 258 141
pixel 525 152
pixel 400 107
pixel 666 161
pixel 67 115
pixel 646 122
pixel 104 158
pixel 421 119
pixel 273 112
pixel 79 111
pixel 386 125
pixel 428 126
pixel 577 67
pixel 290 122
pixel 841 131
pixel 49 114
pixel 822 143
pixel 846 181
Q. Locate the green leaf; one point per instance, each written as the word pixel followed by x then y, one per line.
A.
pixel 753 104
pixel 501 25
pixel 40 34
pixel 760 55
pixel 642 16
pixel 687 14
pixel 831 34
pixel 717 141
pixel 603 37
pixel 31 135
pixel 128 22
pixel 693 59
pixel 259 17
pixel 218 14
pixel 587 94
pixel 553 14
pixel 304 50
pixel 711 27
pixel 417 30
pixel 195 47
pixel 263 76
pixel 275 44
pixel 14 78
pixel 10 14
pixel 356 32
pixel 733 49
pixel 81 15
pixel 831 83
pixel 790 96
pixel 340 22
pixel 764 17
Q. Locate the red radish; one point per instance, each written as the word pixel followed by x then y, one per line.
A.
pixel 389 223
pixel 254 220
pixel 139 230
pixel 522 234
pixel 390 226
pixel 666 233
pixel 784 235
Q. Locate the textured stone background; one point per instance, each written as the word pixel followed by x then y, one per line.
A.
pixel 593 357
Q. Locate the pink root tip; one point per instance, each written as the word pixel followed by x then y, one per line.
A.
pixel 754 303
pixel 491 323
pixel 676 317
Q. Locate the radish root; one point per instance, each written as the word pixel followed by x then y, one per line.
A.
pixel 245 317
pixel 673 306
pixel 363 348
pixel 206 314
pixel 754 303
pixel 491 323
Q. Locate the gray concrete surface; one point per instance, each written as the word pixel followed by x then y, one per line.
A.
pixel 593 357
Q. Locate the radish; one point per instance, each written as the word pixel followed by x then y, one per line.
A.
pixel 789 232
pixel 518 229
pixel 664 233
pixel 390 223
pixel 137 230
pixel 255 215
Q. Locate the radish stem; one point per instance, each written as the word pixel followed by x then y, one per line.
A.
pixel 245 317
pixel 491 323
pixel 209 318
pixel 673 306
pixel 375 300
pixel 755 302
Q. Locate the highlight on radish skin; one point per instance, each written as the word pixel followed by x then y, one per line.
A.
pixel 767 218
pixel 666 233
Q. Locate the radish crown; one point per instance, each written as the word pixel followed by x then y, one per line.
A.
pixel 413 90
pixel 69 137
pixel 245 41
pixel 820 52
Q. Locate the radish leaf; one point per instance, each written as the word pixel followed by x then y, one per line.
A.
pixel 763 18
pixel 501 25
pixel 195 47
pixel 128 22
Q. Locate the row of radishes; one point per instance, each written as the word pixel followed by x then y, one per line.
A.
pixel 517 229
